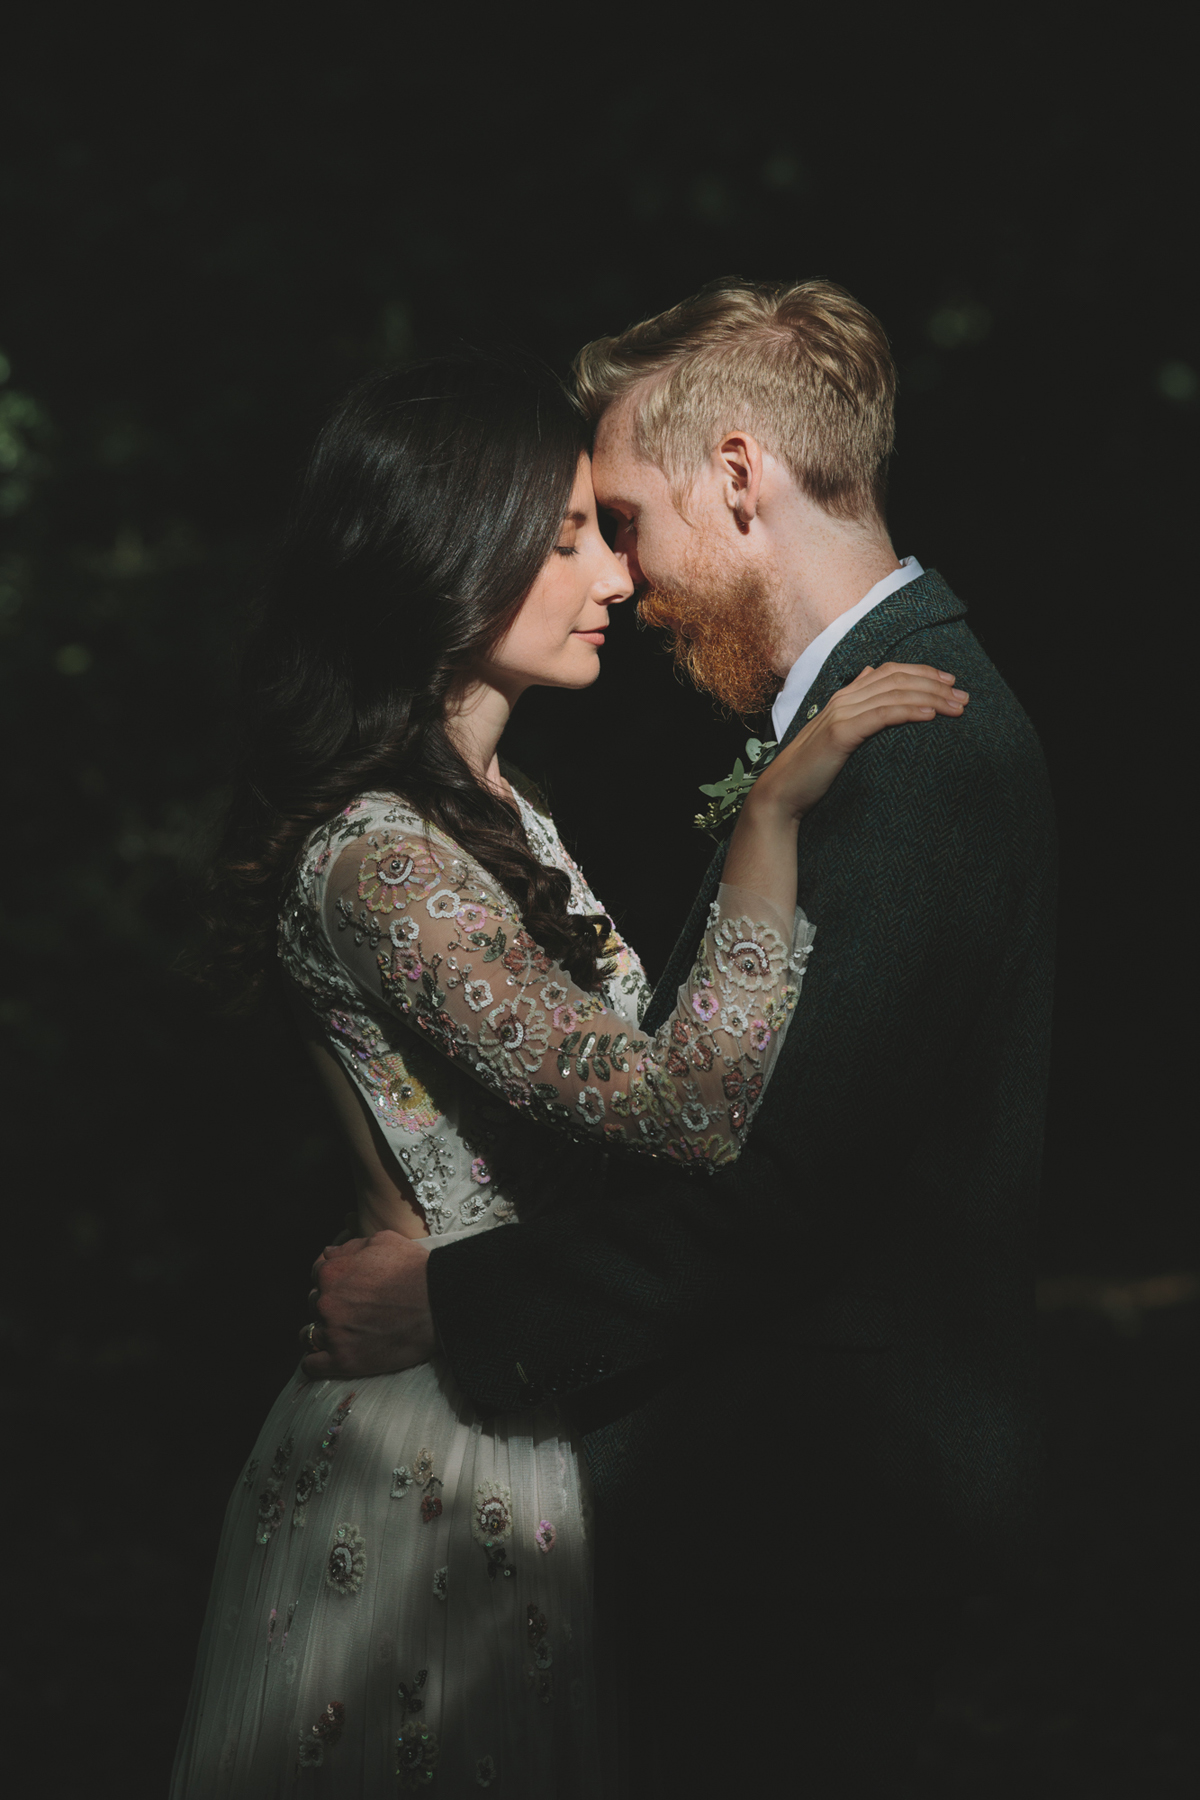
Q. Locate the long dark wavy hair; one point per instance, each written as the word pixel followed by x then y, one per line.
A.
pixel 432 500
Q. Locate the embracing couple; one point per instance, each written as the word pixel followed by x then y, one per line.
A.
pixel 678 1386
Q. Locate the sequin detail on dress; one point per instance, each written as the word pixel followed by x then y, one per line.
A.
pixel 270 1501
pixel 453 1021
pixel 326 1732
pixel 314 1476
pixel 347 1563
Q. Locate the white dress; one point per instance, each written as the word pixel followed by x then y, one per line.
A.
pixel 402 1598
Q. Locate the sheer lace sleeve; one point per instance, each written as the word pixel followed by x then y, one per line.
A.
pixel 425 930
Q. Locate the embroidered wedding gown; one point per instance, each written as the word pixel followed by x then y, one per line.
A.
pixel 402 1594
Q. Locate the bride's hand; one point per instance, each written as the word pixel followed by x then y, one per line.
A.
pixel 893 694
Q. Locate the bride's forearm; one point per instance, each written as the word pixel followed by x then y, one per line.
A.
pixel 762 852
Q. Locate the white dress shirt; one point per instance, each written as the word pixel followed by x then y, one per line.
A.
pixel 808 665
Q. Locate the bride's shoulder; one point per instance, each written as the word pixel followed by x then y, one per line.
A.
pixel 383 829
pixel 527 788
pixel 368 815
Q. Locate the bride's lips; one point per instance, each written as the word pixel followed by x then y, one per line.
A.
pixel 590 637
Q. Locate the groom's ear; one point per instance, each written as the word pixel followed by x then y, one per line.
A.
pixel 739 467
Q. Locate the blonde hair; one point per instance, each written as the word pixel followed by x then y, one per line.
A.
pixel 805 368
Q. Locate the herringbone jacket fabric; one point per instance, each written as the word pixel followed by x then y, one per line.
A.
pixel 839 1329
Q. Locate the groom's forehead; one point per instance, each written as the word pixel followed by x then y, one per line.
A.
pixel 619 474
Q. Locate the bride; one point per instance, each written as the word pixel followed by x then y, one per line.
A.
pixel 402 1596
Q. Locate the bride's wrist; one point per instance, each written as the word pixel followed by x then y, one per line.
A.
pixel 771 810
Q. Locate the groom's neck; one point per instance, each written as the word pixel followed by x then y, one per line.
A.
pixel 823 568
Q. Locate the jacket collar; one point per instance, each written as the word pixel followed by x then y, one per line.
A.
pixel 918 604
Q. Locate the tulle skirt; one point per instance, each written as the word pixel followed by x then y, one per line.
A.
pixel 402 1601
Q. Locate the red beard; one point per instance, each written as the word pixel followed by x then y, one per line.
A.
pixel 723 636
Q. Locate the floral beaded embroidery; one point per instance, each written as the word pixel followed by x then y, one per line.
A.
pixel 421 1476
pixel 327 1730
pixel 545 1536
pixel 398 1083
pixel 491 1522
pixel 314 1475
pixel 270 1501
pixel 394 875
pixel 751 956
pixel 383 909
pixel 411 1694
pixel 508 1037
pixel 347 1564
pixel 417 1753
pixel 491 1517
pixel 485 1771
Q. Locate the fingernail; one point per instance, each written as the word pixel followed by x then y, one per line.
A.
pixel 961 694
pixel 942 676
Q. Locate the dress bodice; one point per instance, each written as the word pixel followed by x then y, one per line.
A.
pixel 457 1028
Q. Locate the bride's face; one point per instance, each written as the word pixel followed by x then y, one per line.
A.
pixel 556 638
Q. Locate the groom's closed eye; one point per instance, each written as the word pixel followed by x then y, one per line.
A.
pixel 609 526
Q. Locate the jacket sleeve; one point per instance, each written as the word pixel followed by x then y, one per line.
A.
pixel 911 866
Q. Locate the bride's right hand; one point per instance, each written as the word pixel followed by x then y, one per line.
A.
pixel 893 694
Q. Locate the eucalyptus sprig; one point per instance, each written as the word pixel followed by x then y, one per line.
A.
pixel 727 797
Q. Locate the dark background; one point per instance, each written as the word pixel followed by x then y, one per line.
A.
pixel 211 223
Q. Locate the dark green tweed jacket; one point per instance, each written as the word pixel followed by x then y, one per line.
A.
pixel 847 1315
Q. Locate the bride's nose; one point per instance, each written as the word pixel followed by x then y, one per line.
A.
pixel 616 584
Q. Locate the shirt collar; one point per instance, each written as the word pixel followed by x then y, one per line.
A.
pixel 808 665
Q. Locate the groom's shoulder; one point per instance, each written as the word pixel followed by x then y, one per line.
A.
pixel 987 763
pixel 995 731
pixel 926 622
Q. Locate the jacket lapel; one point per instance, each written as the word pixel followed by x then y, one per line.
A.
pixel 917 605
pixel 875 639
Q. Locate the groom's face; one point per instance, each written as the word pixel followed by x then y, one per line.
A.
pixel 694 576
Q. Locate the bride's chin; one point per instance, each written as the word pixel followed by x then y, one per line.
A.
pixel 582 673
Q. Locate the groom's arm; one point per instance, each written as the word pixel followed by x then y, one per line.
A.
pixel 910 870
pixel 931 883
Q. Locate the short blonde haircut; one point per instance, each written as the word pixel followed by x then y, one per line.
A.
pixel 805 369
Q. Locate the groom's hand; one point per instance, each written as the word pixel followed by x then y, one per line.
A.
pixel 370 1309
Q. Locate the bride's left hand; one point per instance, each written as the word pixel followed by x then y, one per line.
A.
pixel 893 694
pixel 370 1309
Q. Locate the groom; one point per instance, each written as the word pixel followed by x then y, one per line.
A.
pixel 805 1383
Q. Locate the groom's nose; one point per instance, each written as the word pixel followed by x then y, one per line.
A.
pixel 625 550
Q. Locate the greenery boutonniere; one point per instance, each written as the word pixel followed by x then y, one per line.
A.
pixel 726 797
